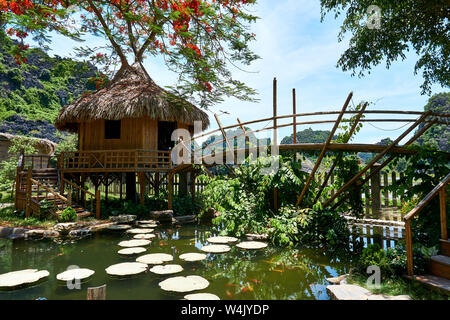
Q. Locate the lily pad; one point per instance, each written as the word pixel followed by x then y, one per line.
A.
pixel 167 269
pixel 134 243
pixel 184 284
pixel 15 279
pixel 191 257
pixel 119 227
pixel 155 258
pixel 75 274
pixel 201 296
pixel 222 240
pixel 126 269
pixel 146 236
pixel 216 248
pixel 252 245
pixel 138 231
pixel 131 251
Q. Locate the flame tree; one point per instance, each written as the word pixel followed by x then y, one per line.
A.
pixel 201 40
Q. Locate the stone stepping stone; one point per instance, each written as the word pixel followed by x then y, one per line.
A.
pixel 222 240
pixel 146 236
pixel 184 284
pixel 75 274
pixel 251 245
pixel 140 231
pixel 216 248
pixel 191 257
pixel 147 222
pixel 119 227
pixel 126 269
pixel 134 243
pixel 131 251
pixel 201 296
pixel 16 279
pixel 167 269
pixel 155 258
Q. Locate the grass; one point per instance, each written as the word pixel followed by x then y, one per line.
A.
pixel 5 197
pixel 9 217
pixel 400 286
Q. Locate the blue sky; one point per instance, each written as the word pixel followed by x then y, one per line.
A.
pixel 301 52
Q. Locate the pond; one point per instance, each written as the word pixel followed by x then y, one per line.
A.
pixel 271 273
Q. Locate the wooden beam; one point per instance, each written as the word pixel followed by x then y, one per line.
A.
pixel 443 213
pixel 294 120
pixel 275 133
pixel 322 153
pixel 374 160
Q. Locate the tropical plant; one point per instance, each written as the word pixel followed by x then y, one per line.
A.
pixel 68 215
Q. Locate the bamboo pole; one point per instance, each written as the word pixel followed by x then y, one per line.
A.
pixel 230 148
pixel 378 157
pixel 294 120
pixel 275 133
pixel 339 157
pixel 322 153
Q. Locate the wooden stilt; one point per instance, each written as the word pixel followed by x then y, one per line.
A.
pixel 275 133
pixel 294 120
pixel 322 153
pixel 170 189
pixel 97 203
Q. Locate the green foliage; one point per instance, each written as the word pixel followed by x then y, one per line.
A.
pixel 67 144
pixel 423 171
pixel 68 215
pixel 371 45
pixel 308 136
pixel 438 135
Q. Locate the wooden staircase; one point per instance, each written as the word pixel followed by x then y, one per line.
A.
pixel 35 185
pixel 439 265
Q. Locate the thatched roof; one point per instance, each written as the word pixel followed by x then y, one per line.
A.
pixel 43 146
pixel 131 94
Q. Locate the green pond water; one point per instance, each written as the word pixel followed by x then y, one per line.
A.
pixel 271 273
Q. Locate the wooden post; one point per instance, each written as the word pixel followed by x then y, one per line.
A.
pixel 141 188
pixel 62 183
pixel 170 190
pixel 192 184
pixel 375 190
pixel 443 211
pixel 17 187
pixel 409 248
pixel 28 194
pixel 394 194
pixel 275 135
pixel 97 203
pixel 97 293
pixel 322 153
pixel 294 120
pixel 385 190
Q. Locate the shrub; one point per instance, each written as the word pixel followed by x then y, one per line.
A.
pixel 68 215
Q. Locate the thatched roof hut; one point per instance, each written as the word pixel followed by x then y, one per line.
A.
pixel 131 94
pixel 43 146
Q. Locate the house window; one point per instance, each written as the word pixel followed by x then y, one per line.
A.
pixel 112 129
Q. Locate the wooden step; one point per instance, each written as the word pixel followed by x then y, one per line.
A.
pixel 445 247
pixel 434 282
pixel 440 266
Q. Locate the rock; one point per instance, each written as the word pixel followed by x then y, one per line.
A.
pixel 134 243
pixel 348 292
pixel 119 227
pixel 337 280
pixel 385 297
pixel 126 269
pixel 186 219
pixel 191 257
pixel 12 233
pixel 64 228
pixel 16 279
pixel 101 226
pixel 35 234
pixel 147 222
pixel 251 245
pixel 79 233
pixel 216 248
pixel 255 236
pixel 75 274
pixel 155 258
pixel 167 269
pixel 201 296
pixel 148 225
pixel 123 218
pixel 222 240
pixel 131 251
pixel 184 284
pixel 164 216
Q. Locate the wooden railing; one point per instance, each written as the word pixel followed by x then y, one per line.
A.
pixel 120 160
pixel 83 193
pixel 35 161
pixel 440 188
